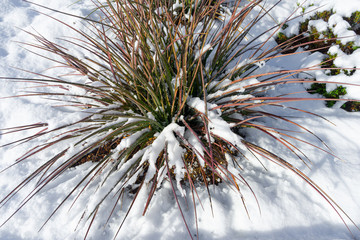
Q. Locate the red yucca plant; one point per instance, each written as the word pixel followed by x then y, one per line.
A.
pixel 171 88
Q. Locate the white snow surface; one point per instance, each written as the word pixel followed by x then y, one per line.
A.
pixel 289 208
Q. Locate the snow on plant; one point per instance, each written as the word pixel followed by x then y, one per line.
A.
pixel 166 90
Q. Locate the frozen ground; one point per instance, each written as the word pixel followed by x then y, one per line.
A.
pixel 289 208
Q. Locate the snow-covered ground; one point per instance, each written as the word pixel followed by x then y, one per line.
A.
pixel 290 209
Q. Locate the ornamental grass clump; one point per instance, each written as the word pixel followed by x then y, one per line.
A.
pixel 167 90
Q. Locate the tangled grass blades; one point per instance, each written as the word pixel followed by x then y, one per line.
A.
pixel 170 87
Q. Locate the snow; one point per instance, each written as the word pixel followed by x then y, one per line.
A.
pixel 166 140
pixel 203 50
pixel 289 208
